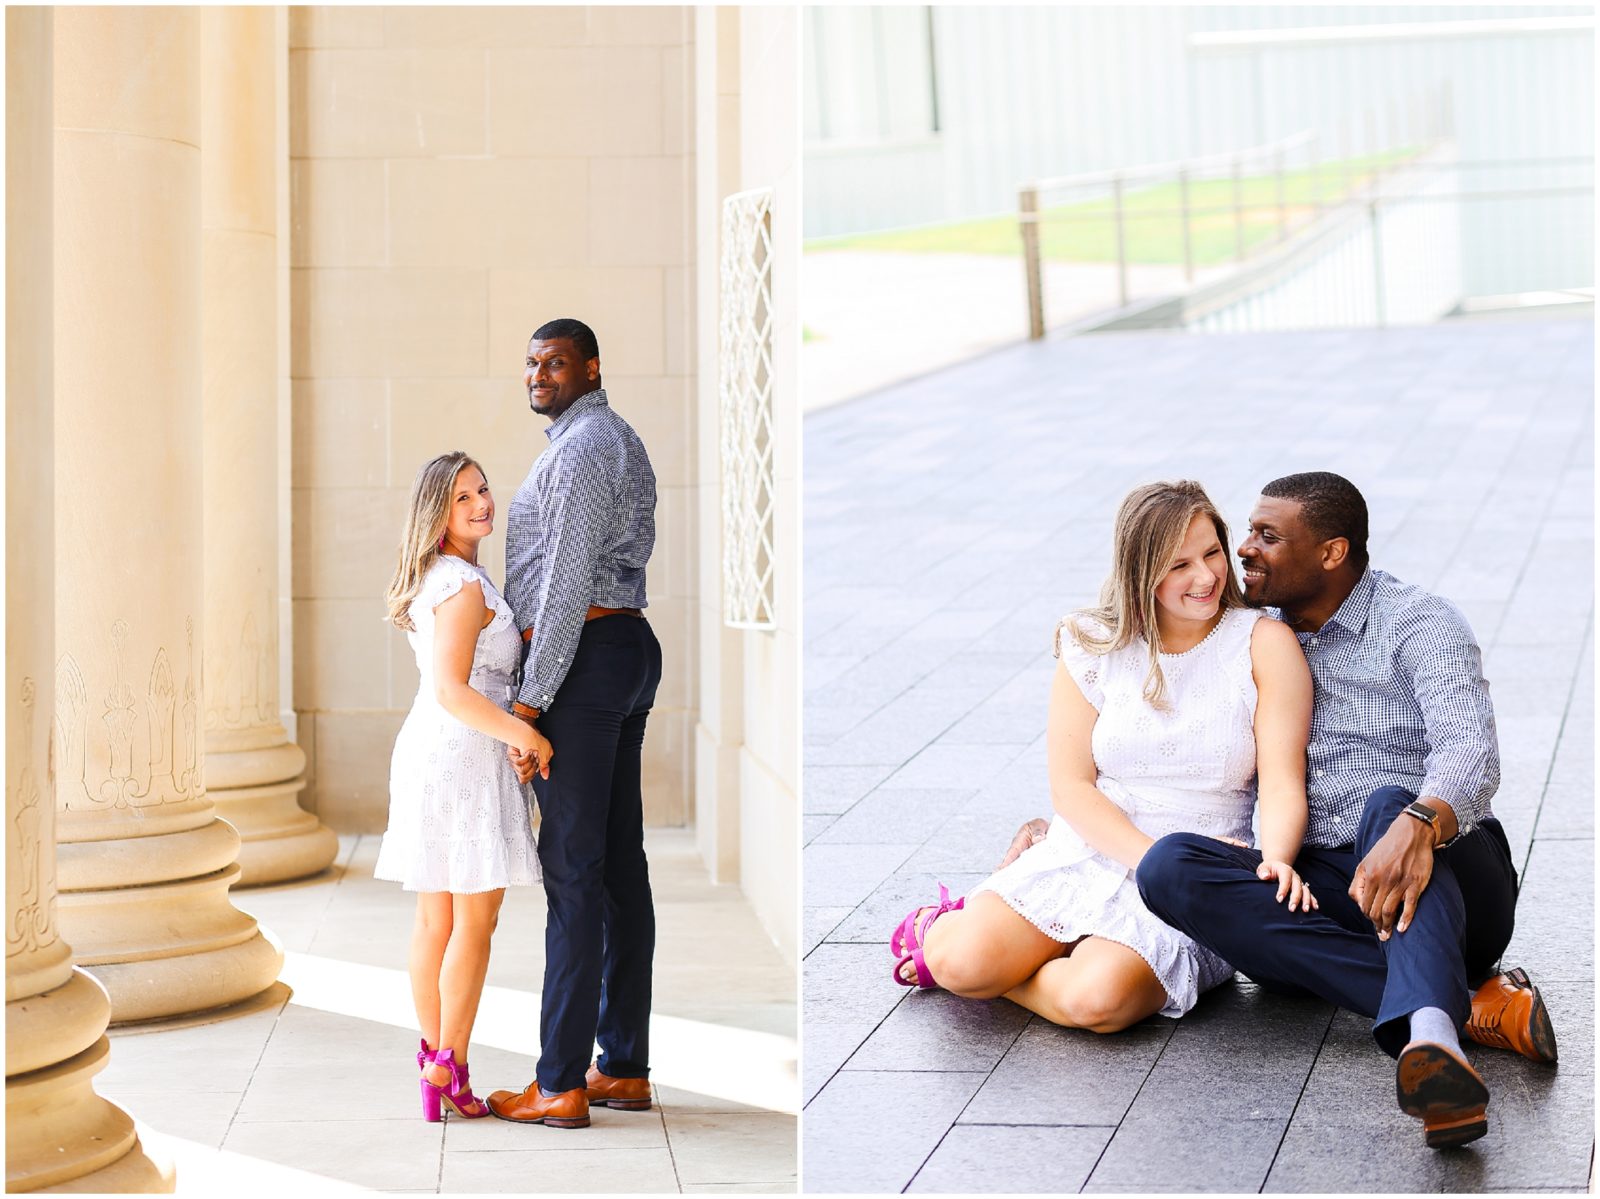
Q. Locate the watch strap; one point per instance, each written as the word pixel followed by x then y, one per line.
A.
pixel 1421 811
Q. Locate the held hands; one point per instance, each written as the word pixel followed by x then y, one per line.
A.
pixel 1394 874
pixel 1289 883
pixel 533 755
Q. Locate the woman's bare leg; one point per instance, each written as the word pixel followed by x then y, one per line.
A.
pixel 429 936
pixel 461 974
pixel 985 949
pixel 1103 987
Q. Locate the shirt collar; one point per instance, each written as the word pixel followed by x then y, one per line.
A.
pixel 1352 614
pixel 587 402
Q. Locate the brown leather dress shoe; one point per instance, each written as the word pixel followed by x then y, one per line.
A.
pixel 627 1094
pixel 570 1109
pixel 1509 1013
pixel 1437 1086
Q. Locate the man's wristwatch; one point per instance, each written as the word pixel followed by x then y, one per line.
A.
pixel 1425 814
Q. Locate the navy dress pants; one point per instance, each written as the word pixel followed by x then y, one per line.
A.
pixel 600 931
pixel 1209 890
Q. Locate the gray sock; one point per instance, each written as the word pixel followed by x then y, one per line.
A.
pixel 1434 1024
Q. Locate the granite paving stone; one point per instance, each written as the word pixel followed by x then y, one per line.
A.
pixel 1031 1084
pixel 739 1147
pixel 817 923
pixel 871 1131
pixel 938 1031
pixel 1034 1159
pixel 891 816
pixel 827 1048
pixel 813 824
pixel 848 984
pixel 954 766
pixel 844 875
pixel 831 790
pixel 561 1170
pixel 1555 912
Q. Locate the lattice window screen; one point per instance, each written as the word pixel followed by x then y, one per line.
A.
pixel 746 392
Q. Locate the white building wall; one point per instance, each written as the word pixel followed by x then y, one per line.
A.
pixel 1038 91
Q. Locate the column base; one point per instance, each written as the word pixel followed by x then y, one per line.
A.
pixel 280 840
pixel 62 1137
pixel 167 949
pixel 43 1030
pixel 197 982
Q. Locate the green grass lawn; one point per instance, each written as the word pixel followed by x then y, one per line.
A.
pixel 1084 232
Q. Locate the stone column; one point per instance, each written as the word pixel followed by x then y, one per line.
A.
pixel 144 863
pixel 253 771
pixel 59 1133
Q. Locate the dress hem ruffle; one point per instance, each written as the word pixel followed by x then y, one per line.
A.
pixel 1175 1006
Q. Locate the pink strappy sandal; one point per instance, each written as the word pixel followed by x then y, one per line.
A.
pixel 906 942
pixel 457 1095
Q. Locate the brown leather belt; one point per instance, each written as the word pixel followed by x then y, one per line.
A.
pixel 595 612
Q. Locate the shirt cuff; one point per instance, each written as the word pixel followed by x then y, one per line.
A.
pixel 1464 809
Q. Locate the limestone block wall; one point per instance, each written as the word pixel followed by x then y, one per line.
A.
pixel 457 177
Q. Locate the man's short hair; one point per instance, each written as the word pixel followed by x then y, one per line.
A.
pixel 1331 506
pixel 578 333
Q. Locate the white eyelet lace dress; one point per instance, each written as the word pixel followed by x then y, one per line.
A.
pixel 1188 769
pixel 458 818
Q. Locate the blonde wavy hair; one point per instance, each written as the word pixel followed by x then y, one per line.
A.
pixel 426 518
pixel 1151 525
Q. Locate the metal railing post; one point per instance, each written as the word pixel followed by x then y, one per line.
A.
pixel 1238 212
pixel 1183 212
pixel 1283 200
pixel 1028 202
pixel 1379 306
pixel 1345 140
pixel 1122 245
pixel 1315 151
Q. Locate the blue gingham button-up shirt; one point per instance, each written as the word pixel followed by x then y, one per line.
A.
pixel 1400 701
pixel 579 532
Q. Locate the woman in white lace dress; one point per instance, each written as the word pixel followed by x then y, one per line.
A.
pixel 459 830
pixel 1170 700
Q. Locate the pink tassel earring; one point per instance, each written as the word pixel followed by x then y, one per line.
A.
pixel 441 541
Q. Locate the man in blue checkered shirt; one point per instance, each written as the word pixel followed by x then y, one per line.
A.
pixel 1413 874
pixel 578 537
pixel 1411 871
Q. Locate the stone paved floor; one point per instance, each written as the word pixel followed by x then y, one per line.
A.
pixel 949 522
pixel 317 1091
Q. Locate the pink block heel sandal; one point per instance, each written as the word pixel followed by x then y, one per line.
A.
pixel 457 1096
pixel 906 942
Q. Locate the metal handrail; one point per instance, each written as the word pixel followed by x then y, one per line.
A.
pixel 1156 169
pixel 1427 122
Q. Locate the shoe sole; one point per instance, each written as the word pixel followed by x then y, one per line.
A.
pixel 622 1105
pixel 1438 1088
pixel 1541 1034
pixel 552 1121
